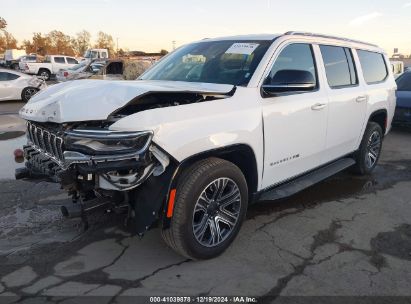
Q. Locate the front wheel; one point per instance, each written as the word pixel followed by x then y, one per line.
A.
pixel 210 205
pixel 28 92
pixel 370 149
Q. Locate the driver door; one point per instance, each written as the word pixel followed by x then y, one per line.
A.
pixel 295 122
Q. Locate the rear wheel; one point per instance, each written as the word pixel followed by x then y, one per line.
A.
pixel 28 92
pixel 45 74
pixel 210 205
pixel 370 149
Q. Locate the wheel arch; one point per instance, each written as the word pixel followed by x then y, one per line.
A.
pixel 241 155
pixel 43 69
pixel 380 117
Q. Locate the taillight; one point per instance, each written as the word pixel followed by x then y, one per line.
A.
pixel 65 74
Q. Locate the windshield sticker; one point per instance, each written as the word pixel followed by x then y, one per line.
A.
pixel 242 48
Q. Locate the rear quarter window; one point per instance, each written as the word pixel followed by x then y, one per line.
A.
pixel 373 66
pixel 71 60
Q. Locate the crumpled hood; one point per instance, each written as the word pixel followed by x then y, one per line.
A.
pixel 85 100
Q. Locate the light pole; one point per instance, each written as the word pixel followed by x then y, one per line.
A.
pixel 117 47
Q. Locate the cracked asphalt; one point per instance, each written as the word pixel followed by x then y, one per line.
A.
pixel 348 236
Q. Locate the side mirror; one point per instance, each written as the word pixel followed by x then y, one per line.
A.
pixel 289 81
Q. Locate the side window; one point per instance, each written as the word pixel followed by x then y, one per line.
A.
pixel 373 66
pixel 4 76
pixel 71 60
pixel 11 76
pixel 339 66
pixel 297 56
pixel 59 60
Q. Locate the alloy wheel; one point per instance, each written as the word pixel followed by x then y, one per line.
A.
pixel 373 149
pixel 29 93
pixel 216 212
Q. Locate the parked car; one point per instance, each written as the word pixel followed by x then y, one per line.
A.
pixel 403 110
pixel 111 69
pixel 15 85
pixel 28 58
pixel 11 58
pixel 50 66
pixel 82 70
pixel 214 126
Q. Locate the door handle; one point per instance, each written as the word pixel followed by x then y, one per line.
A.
pixel 318 106
pixel 362 98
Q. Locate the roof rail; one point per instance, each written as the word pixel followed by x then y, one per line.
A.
pixel 328 36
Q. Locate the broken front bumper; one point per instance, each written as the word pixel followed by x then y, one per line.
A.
pixel 48 153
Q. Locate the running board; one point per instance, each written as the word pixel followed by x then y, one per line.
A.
pixel 300 183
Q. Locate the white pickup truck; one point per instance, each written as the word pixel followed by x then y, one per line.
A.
pixel 50 66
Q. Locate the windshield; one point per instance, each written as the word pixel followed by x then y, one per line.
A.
pixel 225 62
pixel 78 66
pixel 404 82
pixel 91 54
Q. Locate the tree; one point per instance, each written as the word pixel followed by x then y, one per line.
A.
pixel 60 43
pixel 11 42
pixel 3 24
pixel 163 52
pixel 40 44
pixel 7 41
pixel 105 41
pixel 82 42
pixel 121 52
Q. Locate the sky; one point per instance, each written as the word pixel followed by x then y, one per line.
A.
pixel 153 25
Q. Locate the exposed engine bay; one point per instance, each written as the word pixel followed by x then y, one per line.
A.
pixel 161 100
pixel 92 162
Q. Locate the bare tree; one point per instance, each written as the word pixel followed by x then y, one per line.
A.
pixel 3 24
pixel 60 43
pixel 105 41
pixel 82 42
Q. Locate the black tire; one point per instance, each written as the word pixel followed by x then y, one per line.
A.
pixel 45 73
pixel 192 183
pixel 15 66
pixel 28 92
pixel 362 157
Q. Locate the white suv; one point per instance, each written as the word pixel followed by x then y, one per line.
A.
pixel 214 126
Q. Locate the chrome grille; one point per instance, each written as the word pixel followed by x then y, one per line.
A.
pixel 45 140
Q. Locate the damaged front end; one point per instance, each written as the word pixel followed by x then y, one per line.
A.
pixel 100 168
pixel 74 138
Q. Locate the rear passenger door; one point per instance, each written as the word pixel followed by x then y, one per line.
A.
pixel 59 63
pixel 347 101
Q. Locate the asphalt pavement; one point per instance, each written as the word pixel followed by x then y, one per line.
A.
pixel 347 236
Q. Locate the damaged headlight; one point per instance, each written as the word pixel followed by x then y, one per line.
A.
pixel 98 142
